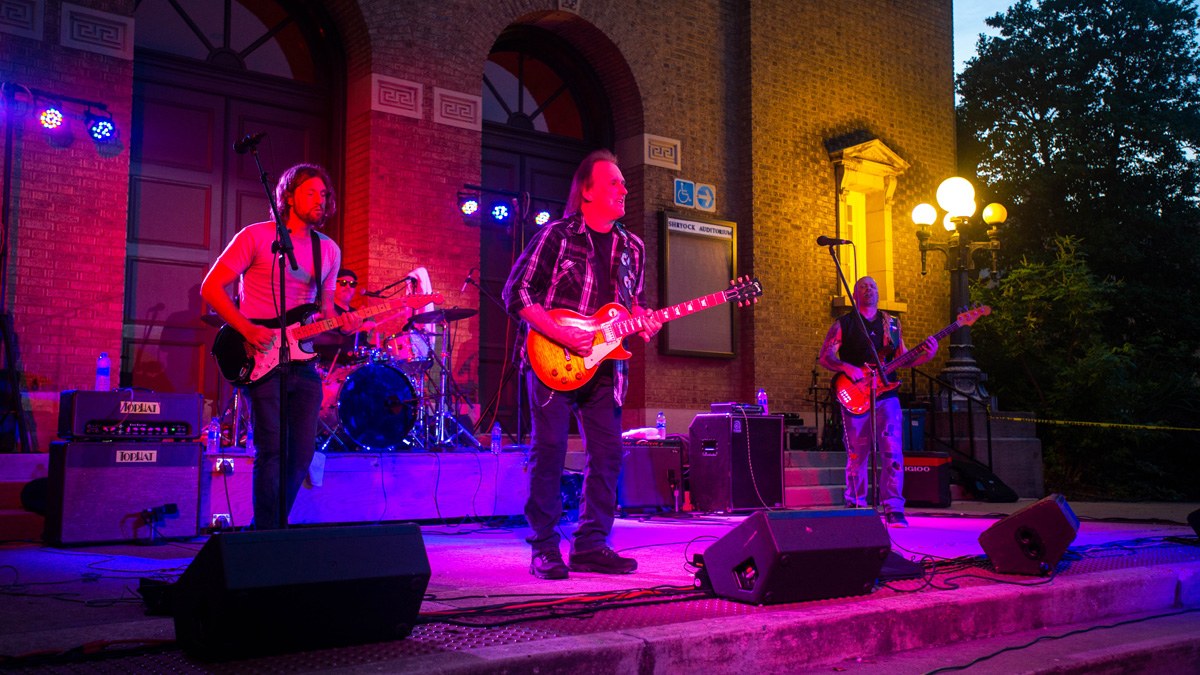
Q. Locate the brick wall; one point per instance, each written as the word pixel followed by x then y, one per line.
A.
pixel 66 265
pixel 820 70
pixel 752 88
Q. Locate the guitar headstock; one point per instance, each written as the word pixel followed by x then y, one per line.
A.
pixel 417 301
pixel 967 317
pixel 744 291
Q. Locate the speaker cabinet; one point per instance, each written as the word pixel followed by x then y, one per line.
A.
pixel 277 591
pixel 927 478
pixel 736 462
pixel 1032 540
pixel 775 557
pixel 651 476
pixel 111 492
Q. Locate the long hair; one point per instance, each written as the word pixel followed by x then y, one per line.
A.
pixel 293 178
pixel 583 179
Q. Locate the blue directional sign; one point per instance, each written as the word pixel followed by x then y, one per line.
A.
pixel 685 192
pixel 706 197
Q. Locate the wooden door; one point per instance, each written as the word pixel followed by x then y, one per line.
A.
pixel 189 194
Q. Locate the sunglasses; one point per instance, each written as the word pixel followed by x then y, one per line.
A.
pixel 351 284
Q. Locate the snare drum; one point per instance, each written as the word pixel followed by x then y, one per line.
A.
pixel 412 351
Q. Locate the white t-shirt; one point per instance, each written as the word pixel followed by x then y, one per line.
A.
pixel 249 254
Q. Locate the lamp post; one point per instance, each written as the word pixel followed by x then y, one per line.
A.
pixel 956 196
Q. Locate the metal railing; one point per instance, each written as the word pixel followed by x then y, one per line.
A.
pixel 938 389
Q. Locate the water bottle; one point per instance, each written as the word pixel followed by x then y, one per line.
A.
pixel 250 440
pixel 213 443
pixel 660 424
pixel 496 438
pixel 103 372
pixel 762 401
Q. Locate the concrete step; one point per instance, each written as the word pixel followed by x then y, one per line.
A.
pixel 10 493
pixel 814 459
pixel 24 466
pixel 821 495
pixel 1149 644
pixel 814 476
pixel 20 525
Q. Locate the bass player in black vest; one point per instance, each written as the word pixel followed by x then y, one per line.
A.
pixel 846 350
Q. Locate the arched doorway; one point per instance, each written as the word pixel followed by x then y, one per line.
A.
pixel 544 110
pixel 206 74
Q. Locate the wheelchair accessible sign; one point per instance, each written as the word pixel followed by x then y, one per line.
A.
pixel 695 195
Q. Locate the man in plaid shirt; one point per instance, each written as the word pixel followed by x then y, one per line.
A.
pixel 580 263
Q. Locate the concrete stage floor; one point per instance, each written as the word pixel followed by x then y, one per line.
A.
pixel 60 599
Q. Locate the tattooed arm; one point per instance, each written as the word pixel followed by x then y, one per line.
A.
pixel 828 356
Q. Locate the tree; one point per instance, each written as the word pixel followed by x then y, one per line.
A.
pixel 1083 117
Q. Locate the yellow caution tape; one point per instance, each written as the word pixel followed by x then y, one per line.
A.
pixel 1092 424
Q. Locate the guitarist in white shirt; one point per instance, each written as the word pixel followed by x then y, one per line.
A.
pixel 845 351
pixel 305 200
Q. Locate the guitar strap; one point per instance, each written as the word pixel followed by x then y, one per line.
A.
pixel 624 272
pixel 317 277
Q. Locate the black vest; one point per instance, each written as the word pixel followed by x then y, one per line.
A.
pixel 854 349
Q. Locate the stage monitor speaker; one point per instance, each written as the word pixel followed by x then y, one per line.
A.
pixel 736 462
pixel 278 591
pixel 775 557
pixel 1032 540
pixel 651 475
pixel 111 492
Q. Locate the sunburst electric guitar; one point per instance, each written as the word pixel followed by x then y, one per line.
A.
pixel 856 396
pixel 242 364
pixel 561 369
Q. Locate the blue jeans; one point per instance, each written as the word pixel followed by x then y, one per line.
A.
pixel 600 421
pixel 891 455
pixel 304 402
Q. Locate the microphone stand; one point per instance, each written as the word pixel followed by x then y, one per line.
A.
pixel 875 462
pixel 508 372
pixel 283 248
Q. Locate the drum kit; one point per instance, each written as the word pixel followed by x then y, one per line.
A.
pixel 394 397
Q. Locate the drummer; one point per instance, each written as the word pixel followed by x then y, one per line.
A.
pixel 345 349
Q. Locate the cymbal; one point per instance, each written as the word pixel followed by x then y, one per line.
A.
pixel 213 320
pixel 443 315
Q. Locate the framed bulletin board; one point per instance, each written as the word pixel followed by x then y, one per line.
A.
pixel 699 257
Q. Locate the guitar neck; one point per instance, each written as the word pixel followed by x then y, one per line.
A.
pixel 634 324
pixel 912 354
pixel 317 327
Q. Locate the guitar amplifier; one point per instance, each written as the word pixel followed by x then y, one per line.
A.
pixel 651 475
pixel 736 462
pixel 127 415
pixel 111 492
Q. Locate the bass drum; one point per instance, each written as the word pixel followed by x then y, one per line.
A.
pixel 377 407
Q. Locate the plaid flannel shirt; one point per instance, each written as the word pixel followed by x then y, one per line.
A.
pixel 557 271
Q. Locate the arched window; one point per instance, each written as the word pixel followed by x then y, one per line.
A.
pixel 260 36
pixel 534 81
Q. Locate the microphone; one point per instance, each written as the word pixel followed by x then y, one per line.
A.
pixel 829 241
pixel 467 281
pixel 250 141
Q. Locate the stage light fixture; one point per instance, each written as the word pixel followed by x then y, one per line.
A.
pixel 51 118
pixel 100 127
pixel 468 206
pixel 542 217
pixel 500 212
